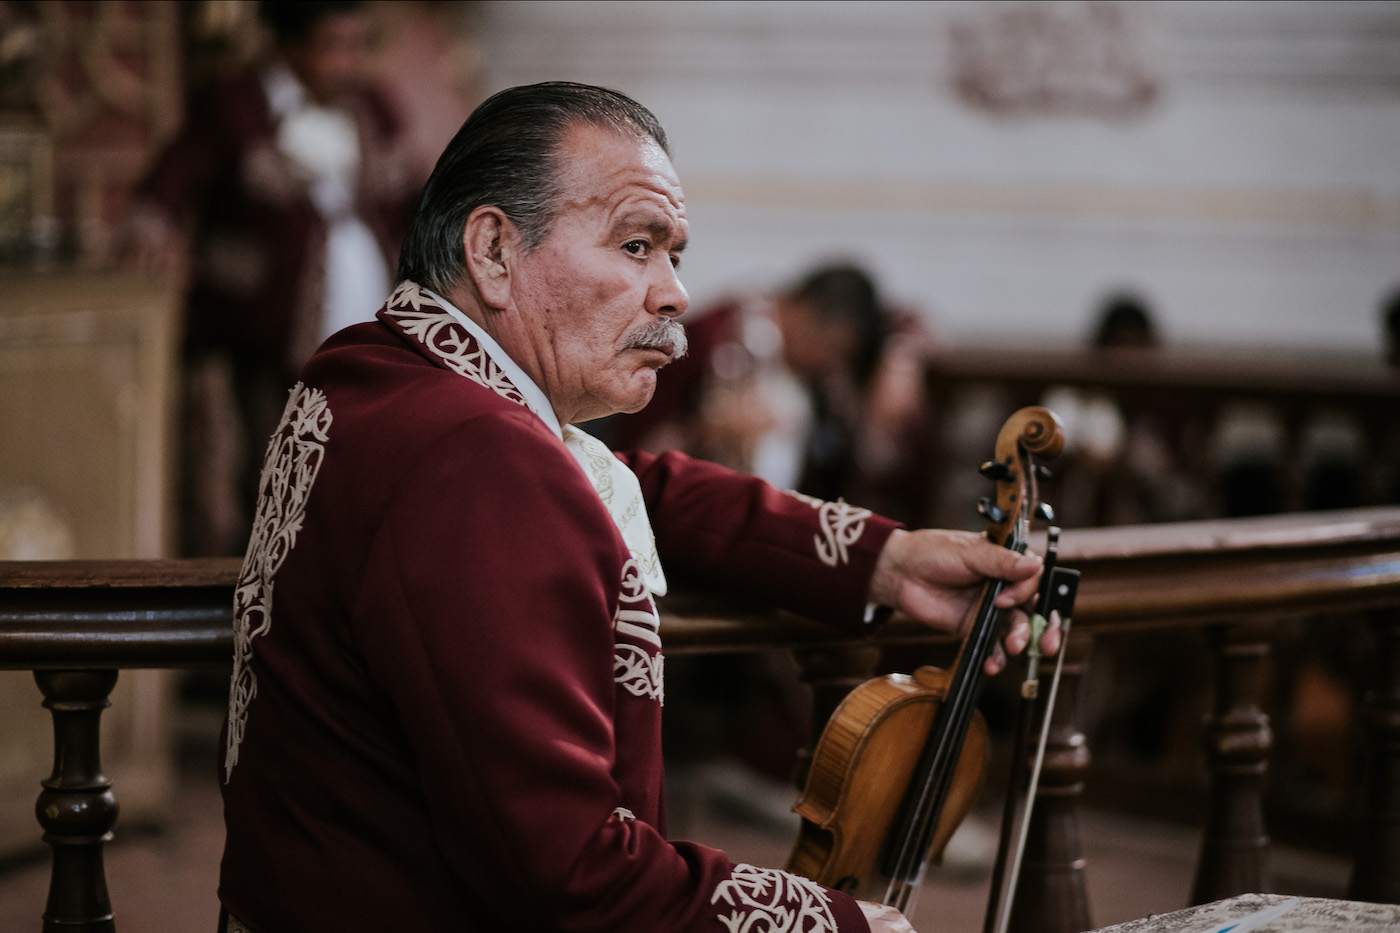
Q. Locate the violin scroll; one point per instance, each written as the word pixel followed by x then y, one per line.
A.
pixel 1030 433
pixel 1038 429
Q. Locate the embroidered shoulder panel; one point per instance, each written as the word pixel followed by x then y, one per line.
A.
pixel 766 900
pixel 293 459
pixel 841 526
pixel 637 668
pixel 422 318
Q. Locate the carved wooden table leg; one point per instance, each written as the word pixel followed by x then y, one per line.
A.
pixel 1376 875
pixel 1238 740
pixel 831 673
pixel 1051 896
pixel 76 808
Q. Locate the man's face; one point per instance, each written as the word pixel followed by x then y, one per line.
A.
pixel 594 303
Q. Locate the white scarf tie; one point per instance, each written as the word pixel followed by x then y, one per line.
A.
pixel 621 495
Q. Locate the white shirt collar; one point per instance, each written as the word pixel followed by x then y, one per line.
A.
pixel 535 399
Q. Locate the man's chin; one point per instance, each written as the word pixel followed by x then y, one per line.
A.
pixel 644 389
pixel 638 405
pixel 622 403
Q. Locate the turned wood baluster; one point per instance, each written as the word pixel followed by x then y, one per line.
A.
pixel 1238 740
pixel 1051 896
pixel 1376 874
pixel 76 808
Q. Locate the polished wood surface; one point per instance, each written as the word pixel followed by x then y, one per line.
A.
pixel 116 614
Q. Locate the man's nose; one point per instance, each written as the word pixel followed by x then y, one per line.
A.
pixel 667 296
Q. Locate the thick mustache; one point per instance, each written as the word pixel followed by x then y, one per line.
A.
pixel 667 336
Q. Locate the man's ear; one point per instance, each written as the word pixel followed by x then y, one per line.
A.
pixel 491 244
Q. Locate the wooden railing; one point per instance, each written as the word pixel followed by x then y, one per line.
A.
pixel 1295 384
pixel 1298 406
pixel 75 624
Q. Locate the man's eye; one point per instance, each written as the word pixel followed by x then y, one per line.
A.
pixel 637 247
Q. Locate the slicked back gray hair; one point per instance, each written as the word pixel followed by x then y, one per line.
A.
pixel 506 155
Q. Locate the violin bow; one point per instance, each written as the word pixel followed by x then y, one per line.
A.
pixel 1058 586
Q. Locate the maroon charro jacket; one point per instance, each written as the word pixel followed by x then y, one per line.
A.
pixel 438 719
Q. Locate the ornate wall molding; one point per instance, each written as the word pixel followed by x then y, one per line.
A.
pixel 1093 57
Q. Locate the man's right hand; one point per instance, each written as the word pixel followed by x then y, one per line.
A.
pixel 936 575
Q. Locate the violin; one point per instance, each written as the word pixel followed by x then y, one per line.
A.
pixel 899 764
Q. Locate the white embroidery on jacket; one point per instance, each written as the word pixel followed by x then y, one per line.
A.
pixel 841 526
pixel 428 322
pixel 293 459
pixel 636 669
pixel 639 673
pixel 622 813
pixel 766 900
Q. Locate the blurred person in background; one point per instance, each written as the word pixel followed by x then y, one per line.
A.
pixel 281 203
pixel 1120 467
pixel 818 389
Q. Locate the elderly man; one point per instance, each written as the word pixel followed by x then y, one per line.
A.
pixel 447 689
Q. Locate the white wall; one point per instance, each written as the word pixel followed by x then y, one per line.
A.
pixel 1255 200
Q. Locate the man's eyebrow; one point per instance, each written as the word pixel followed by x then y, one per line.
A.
pixel 656 226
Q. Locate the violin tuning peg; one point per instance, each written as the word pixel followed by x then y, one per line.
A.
pixel 1044 511
pixel 995 470
pixel 1042 471
pixel 989 511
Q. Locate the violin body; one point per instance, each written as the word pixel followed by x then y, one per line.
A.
pixel 865 758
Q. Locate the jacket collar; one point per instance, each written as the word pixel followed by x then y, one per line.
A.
pixel 448 338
